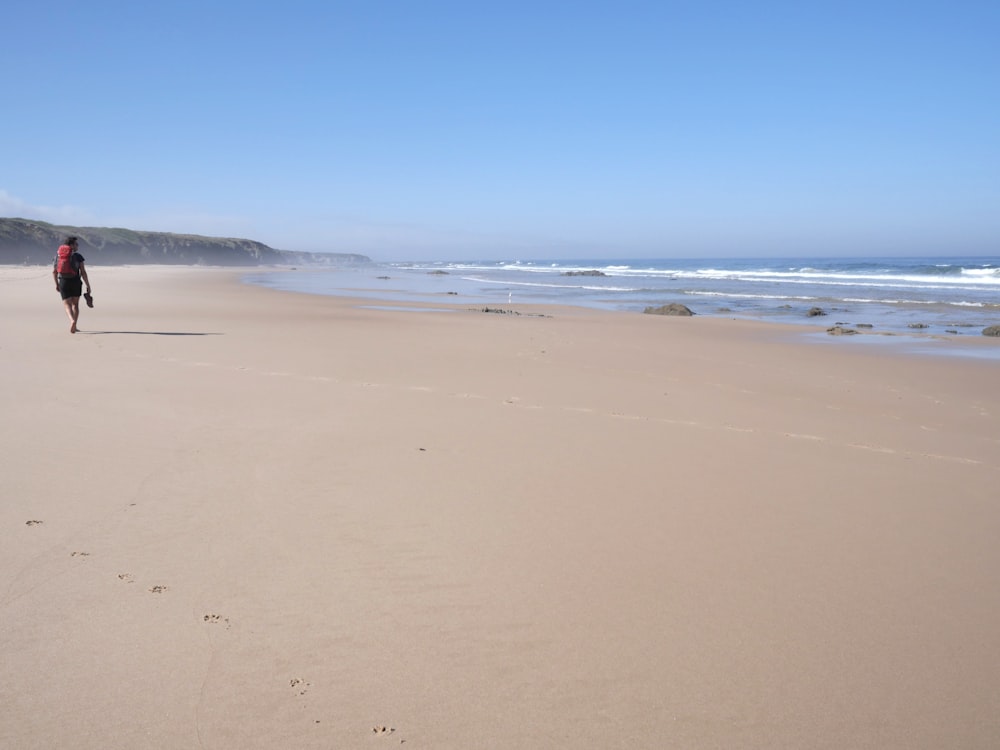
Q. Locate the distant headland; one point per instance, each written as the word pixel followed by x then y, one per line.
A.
pixel 30 242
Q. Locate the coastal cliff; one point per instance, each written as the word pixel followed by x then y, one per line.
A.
pixel 29 242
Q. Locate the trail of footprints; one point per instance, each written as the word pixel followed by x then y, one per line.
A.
pixel 297 684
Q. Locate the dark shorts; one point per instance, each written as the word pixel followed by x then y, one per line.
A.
pixel 70 286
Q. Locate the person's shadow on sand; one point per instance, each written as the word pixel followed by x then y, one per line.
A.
pixel 148 333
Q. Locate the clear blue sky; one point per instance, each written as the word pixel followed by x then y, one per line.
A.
pixel 434 130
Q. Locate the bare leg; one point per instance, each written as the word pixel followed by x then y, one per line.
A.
pixel 72 306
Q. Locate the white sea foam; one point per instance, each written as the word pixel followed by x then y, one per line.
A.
pixel 751 296
pixel 551 285
pixel 989 275
pixel 820 277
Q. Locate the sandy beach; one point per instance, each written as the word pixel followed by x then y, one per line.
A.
pixel 232 517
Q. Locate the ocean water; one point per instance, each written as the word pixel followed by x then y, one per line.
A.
pixel 947 296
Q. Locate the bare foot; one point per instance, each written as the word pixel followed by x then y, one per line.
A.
pixel 72 327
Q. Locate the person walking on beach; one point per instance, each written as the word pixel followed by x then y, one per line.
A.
pixel 70 274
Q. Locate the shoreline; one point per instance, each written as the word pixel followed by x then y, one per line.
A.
pixel 293 520
pixel 395 296
pixel 915 343
pixel 899 297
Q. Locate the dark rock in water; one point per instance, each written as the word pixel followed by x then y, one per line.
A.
pixel 674 308
pixel 384 278
pixel 814 311
pixel 583 273
pixel 917 325
pixel 437 273
pixel 950 330
pixel 992 331
pixel 841 331
pixel 865 325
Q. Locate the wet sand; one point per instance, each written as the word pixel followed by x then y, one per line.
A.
pixel 238 518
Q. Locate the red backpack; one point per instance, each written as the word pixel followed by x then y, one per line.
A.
pixel 66 264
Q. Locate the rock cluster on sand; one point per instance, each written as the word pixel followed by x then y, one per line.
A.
pixel 991 331
pixel 674 308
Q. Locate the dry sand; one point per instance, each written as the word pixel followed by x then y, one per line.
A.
pixel 239 518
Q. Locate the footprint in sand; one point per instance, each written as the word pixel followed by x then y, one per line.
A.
pixel 79 554
pixel 296 683
pixel 127 577
pixel 157 589
pixel 33 523
pixel 217 619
